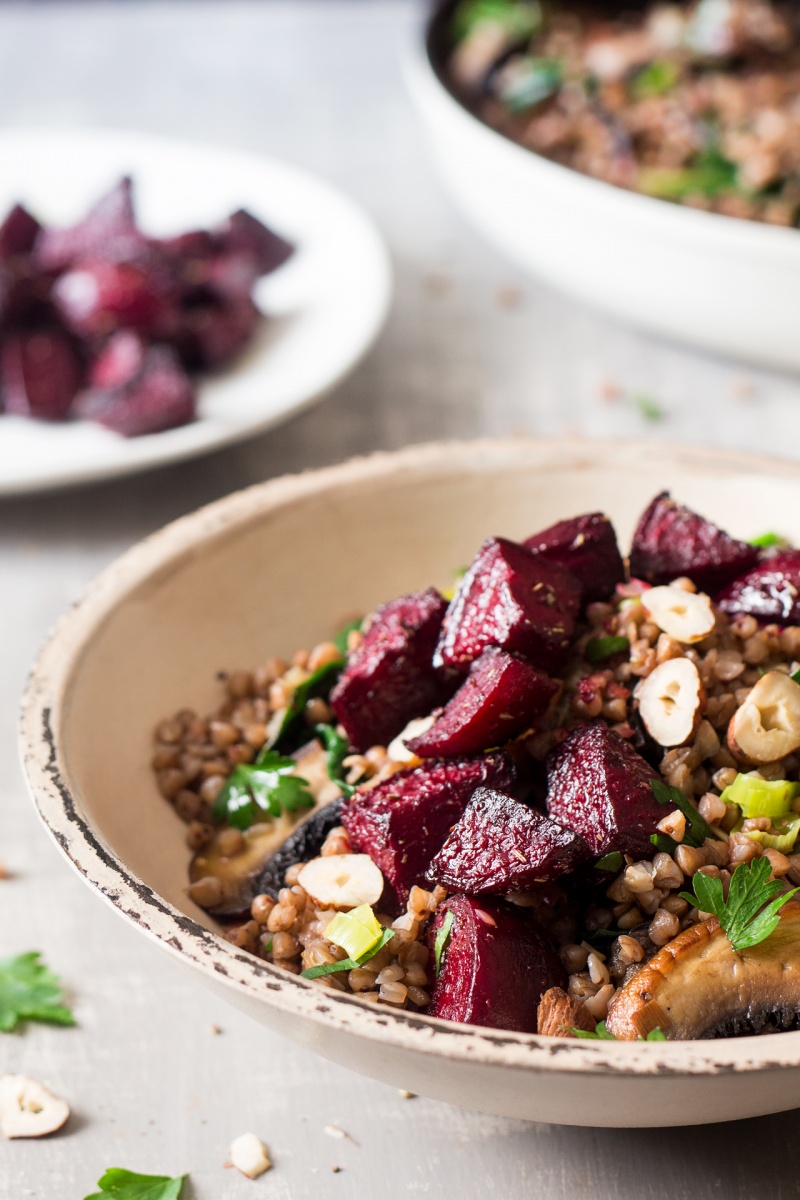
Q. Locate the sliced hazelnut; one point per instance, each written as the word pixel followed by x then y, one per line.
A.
pixel 397 749
pixel 685 616
pixel 28 1109
pixel 559 1014
pixel 342 880
pixel 249 1155
pixel 671 701
pixel 767 726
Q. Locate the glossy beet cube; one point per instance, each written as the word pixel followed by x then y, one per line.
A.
pixel 671 540
pixel 157 396
pixel 389 679
pixel 107 233
pixel 96 299
pixel 403 822
pixel 40 373
pixel 770 591
pixel 495 966
pixel 587 547
pixel 601 788
pixel 512 599
pixel 500 845
pixel 18 233
pixel 212 330
pixel 502 696
pixel 243 234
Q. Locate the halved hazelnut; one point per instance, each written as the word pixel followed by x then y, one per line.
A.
pixel 686 616
pixel 671 701
pixel 397 749
pixel 342 880
pixel 767 726
pixel 249 1155
pixel 28 1108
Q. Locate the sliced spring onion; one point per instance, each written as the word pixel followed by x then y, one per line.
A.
pixel 349 964
pixel 519 19
pixel 766 541
pixel 356 931
pixel 758 797
pixel 610 862
pixel 783 838
pixel 442 934
pixel 655 79
pixel 601 648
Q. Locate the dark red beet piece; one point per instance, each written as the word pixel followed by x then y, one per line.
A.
pixel 403 822
pixel 158 396
pixel 120 361
pixel 495 966
pixel 214 331
pixel 512 599
pixel 18 233
pixel 769 592
pixel 586 546
pixel 501 696
pixel 244 234
pixel 671 540
pixel 600 787
pixel 500 845
pixel 40 372
pixel 389 679
pixel 98 298
pixel 108 233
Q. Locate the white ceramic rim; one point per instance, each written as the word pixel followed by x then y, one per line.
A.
pixel 744 237
pixel 106 873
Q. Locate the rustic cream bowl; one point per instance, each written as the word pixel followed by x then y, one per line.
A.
pixel 276 567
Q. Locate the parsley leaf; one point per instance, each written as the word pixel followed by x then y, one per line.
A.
pixel 518 19
pixel 128 1185
pixel 696 828
pixel 655 79
pixel 751 912
pixel 337 749
pixel 598 649
pixel 610 862
pixel 442 934
pixel 30 992
pixel 319 683
pixel 340 639
pixel 603 1034
pixel 266 789
pixel 349 964
pixel 766 541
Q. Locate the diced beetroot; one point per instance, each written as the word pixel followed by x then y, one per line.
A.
pixel 213 332
pixel 601 788
pixel 671 540
pixel 120 361
pixel 98 298
pixel 244 234
pixel 18 233
pixel 495 966
pixel 389 678
pixel 769 592
pixel 107 233
pixel 500 846
pixel 512 599
pixel 159 396
pixel 40 372
pixel 403 822
pixel 586 546
pixel 501 696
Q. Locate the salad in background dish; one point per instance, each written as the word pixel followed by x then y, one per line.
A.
pixel 101 322
pixel 563 797
pixel 695 102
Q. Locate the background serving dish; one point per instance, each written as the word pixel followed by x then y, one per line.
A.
pixel 91 706
pixel 325 307
pixel 720 283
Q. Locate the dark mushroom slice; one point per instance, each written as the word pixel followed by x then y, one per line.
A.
pixel 698 986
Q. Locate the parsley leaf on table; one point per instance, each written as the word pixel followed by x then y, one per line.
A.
pixel 30 992
pixel 751 912
pixel 128 1185
pixel 266 789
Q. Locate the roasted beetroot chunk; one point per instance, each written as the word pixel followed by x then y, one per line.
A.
pixel 403 822
pixel 501 696
pixel 512 599
pixel 40 372
pixel 98 298
pixel 500 845
pixel 156 396
pixel 600 787
pixel 671 540
pixel 390 679
pixel 586 546
pixel 107 233
pixel 495 965
pixel 243 234
pixel 17 233
pixel 769 592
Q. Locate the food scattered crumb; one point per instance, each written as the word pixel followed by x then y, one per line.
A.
pixel 214 1029
pixel 609 390
pixel 743 387
pixel 336 1170
pixel 437 284
pixel 249 1155
pixel 337 1132
pixel 3 871
pixel 408 1095
pixel 508 297
pixel 28 1108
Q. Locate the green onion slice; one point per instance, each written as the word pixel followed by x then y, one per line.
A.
pixel 761 797
pixel 349 964
pixel 356 931
pixel 598 649
pixel 783 839
pixel 442 934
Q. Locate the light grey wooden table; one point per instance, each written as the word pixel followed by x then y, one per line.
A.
pixel 471 348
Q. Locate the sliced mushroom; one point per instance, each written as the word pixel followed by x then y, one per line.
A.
pixel 698 986
pixel 671 701
pixel 767 726
pixel 685 616
pixel 28 1108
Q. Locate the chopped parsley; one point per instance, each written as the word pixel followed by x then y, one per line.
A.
pixel 598 649
pixel 527 81
pixel 766 541
pixel 603 1034
pixel 30 992
pixel 519 19
pixel 710 175
pixel 129 1185
pixel 337 749
pixel 319 683
pixel 610 862
pixel 442 936
pixel 751 912
pixel 655 79
pixel 266 789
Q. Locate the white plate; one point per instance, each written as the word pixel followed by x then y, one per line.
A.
pixel 326 304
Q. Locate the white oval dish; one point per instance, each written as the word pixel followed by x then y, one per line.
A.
pixel 719 283
pixel 325 306
pixel 240 579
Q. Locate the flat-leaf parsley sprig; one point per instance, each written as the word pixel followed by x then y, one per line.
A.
pixel 752 910
pixel 266 789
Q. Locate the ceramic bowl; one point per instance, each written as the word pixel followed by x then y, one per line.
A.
pixel 276 567
pixel 720 283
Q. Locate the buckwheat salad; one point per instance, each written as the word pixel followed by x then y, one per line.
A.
pixel 695 102
pixel 562 797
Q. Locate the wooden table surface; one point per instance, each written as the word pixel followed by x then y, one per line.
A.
pixel 471 347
